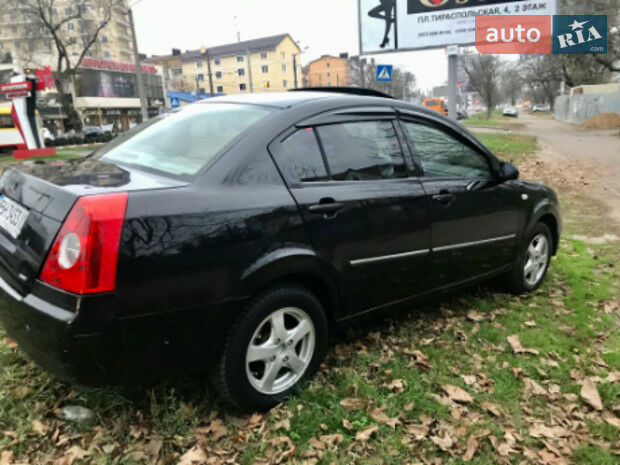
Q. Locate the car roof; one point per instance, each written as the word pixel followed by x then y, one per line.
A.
pixel 281 99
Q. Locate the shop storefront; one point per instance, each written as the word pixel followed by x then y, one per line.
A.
pixel 106 94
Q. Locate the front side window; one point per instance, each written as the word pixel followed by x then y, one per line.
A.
pixel 442 155
pixel 180 143
pixel 361 151
pixel 299 157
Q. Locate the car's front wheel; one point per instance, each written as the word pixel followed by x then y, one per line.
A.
pixel 276 344
pixel 533 260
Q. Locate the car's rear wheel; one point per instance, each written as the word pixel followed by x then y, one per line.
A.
pixel 275 345
pixel 533 260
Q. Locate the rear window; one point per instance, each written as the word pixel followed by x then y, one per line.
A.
pixel 431 103
pixel 180 143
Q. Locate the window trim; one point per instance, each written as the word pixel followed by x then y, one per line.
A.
pixel 492 160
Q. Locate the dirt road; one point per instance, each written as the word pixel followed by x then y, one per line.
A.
pixel 591 155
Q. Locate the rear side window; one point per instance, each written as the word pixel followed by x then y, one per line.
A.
pixel 361 151
pixel 299 157
pixel 181 143
pixel 442 155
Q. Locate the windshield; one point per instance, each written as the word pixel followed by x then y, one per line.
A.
pixel 180 143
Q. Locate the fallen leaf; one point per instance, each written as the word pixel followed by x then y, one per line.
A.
pixel 332 440
pixel 610 418
pixel 444 442
pixel 539 430
pixel 472 447
pixel 517 347
pixel 282 424
pixel 419 432
pixel 74 453
pixel 457 394
pixel 39 427
pixel 6 457
pixel 397 386
pixel 365 434
pixel 475 316
pixel 353 403
pixel 492 408
pixel 346 424
pixel 530 324
pixel 532 387
pixel 378 414
pixel 194 456
pixel 589 393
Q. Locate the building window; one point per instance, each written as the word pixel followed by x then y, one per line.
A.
pixel 101 23
pixel 329 74
pixel 240 72
pixel 202 90
pixel 217 62
pixel 201 77
pixel 242 87
pixel 199 64
pixel 327 64
pixel 264 69
pixel 218 75
pixel 239 59
pixel 48 43
pixel 104 39
pixel 284 68
pixel 283 55
pixel 285 83
pixel 72 41
pixel 70 26
pixel 16 44
pixel 68 11
pixel 263 55
pixel 219 89
pixel 106 54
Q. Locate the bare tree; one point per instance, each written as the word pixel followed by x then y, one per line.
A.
pixel 511 82
pixel 543 72
pixel 483 72
pixel 47 22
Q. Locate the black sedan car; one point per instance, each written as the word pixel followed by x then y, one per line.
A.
pixel 228 236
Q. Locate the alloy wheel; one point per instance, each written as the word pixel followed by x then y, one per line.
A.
pixel 280 350
pixel 536 259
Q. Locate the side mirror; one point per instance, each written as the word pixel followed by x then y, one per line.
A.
pixel 508 171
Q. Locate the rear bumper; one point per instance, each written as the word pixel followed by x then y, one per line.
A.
pixel 91 347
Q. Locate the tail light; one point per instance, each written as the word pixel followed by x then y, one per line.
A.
pixel 84 255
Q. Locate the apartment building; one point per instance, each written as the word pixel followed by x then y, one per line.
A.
pixel 25 46
pixel 258 65
pixel 328 71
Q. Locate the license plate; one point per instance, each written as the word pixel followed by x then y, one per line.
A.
pixel 12 216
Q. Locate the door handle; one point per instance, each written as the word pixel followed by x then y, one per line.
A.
pixel 444 197
pixel 326 206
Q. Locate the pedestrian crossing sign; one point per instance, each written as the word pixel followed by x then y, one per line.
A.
pixel 384 73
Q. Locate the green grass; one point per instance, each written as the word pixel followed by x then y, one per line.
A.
pixel 61 154
pixel 509 147
pixel 496 120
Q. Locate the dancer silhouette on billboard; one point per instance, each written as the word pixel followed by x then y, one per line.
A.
pixel 385 11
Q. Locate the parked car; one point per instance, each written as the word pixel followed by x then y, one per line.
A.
pixel 510 111
pixel 91 132
pixel 540 107
pixel 229 236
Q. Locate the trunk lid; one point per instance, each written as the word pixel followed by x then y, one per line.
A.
pixel 44 194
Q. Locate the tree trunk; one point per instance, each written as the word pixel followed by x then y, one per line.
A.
pixel 66 101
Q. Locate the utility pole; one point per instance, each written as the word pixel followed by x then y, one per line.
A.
pixel 141 94
pixel 453 52
pixel 295 68
pixel 247 53
pixel 208 56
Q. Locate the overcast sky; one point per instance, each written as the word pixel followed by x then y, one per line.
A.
pixel 324 26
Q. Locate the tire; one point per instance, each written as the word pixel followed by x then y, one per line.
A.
pixel 281 366
pixel 519 280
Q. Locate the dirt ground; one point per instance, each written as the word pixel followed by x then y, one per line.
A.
pixel 583 162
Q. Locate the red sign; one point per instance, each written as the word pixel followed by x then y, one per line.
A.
pixel 45 79
pixel 513 34
pixel 89 62
pixel 23 93
pixel 11 87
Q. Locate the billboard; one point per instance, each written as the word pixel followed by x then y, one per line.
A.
pixel 99 83
pixel 390 25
